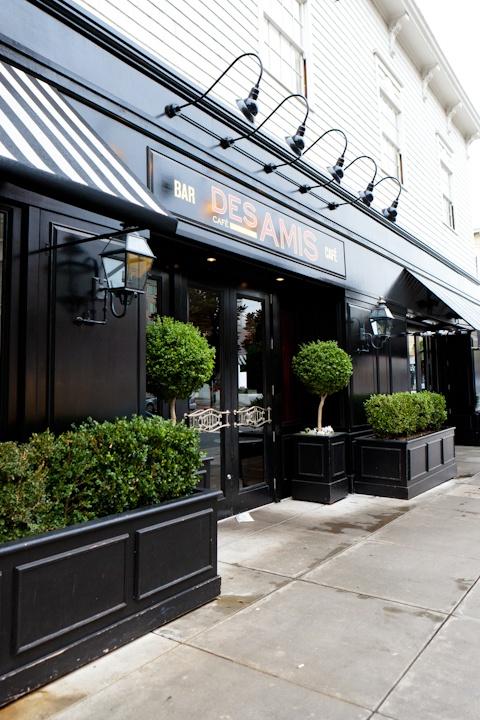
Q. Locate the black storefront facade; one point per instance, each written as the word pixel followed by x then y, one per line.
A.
pixel 251 261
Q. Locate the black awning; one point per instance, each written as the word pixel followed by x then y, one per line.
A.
pixel 46 146
pixel 464 308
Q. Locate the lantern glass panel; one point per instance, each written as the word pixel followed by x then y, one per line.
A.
pixel 138 267
pixel 114 268
pixel 380 326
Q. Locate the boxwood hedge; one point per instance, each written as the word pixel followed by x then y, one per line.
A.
pixel 93 470
pixel 403 414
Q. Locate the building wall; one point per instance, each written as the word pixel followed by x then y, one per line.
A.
pixel 343 43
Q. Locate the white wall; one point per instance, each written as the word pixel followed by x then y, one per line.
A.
pixel 200 39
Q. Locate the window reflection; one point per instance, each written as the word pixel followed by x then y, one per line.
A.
pixel 250 388
pixel 250 331
pixel 412 363
pixel 204 313
pixel 151 296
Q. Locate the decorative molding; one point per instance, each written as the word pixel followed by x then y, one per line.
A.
pixel 254 416
pixel 427 76
pixel 473 138
pixel 451 112
pixel 394 28
pixel 208 420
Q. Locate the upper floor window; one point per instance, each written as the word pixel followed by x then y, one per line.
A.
pixel 391 161
pixel 446 183
pixel 391 156
pixel 284 43
pixel 448 209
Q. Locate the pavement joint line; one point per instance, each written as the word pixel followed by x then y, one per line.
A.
pixel 449 616
pixel 382 717
pixel 78 702
pixel 355 543
pixel 271 674
pixel 412 663
pixel 256 569
pixel 289 581
pixel 434 550
pixel 378 597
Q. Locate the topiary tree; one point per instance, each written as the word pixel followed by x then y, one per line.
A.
pixel 324 368
pixel 179 360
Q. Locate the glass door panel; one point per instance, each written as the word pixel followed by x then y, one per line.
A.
pixel 233 410
pixel 252 414
pixel 204 313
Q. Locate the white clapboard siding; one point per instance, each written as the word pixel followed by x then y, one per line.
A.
pixel 343 41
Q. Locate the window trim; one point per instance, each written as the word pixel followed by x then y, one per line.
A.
pixel 447 200
pixel 304 52
pixel 395 142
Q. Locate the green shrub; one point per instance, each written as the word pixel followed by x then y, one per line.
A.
pixel 179 360
pixel 93 470
pixel 25 506
pixel 404 413
pixel 324 368
pixel 439 411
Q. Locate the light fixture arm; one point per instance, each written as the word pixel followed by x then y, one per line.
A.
pixel 269 167
pixel 124 302
pixel 371 339
pixel 228 142
pixel 307 188
pixel 391 177
pixel 173 109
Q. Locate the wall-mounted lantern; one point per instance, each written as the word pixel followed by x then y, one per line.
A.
pixel 381 322
pixel 126 267
pixel 126 262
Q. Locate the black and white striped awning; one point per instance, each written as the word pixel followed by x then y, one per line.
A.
pixel 464 308
pixel 45 145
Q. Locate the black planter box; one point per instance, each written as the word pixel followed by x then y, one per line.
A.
pixel 404 468
pixel 71 595
pixel 319 468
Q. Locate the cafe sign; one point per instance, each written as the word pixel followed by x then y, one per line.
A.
pixel 194 196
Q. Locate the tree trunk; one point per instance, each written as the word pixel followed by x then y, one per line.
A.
pixel 173 412
pixel 320 411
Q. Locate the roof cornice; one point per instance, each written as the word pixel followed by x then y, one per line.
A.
pixel 419 43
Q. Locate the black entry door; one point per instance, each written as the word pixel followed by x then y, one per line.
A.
pixel 234 410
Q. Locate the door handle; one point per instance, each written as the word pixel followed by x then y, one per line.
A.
pixel 208 420
pixel 254 416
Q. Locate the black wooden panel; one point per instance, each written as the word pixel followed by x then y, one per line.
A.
pixel 435 455
pixel 186 552
pixel 338 458
pixel 364 378
pixel 384 465
pixel 57 594
pixel 415 476
pixel 311 459
pixel 418 461
pixel 94 369
pixel 448 448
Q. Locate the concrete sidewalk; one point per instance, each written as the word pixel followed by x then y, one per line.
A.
pixel 366 609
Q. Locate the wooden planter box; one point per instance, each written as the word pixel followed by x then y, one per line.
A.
pixel 404 468
pixel 319 468
pixel 71 595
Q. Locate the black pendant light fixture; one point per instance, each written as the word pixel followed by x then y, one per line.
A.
pixel 366 195
pixel 336 170
pixel 247 106
pixel 295 142
pixel 391 212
